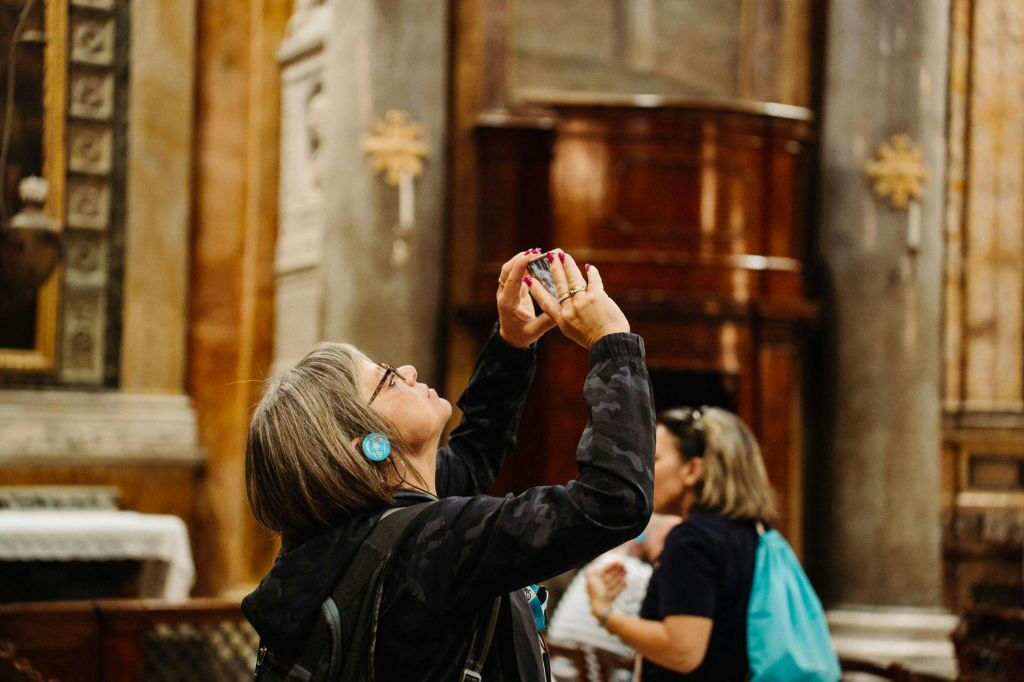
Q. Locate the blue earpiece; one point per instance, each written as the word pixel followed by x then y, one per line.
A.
pixel 376 447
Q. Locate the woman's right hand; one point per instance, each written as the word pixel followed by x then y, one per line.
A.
pixel 604 583
pixel 584 316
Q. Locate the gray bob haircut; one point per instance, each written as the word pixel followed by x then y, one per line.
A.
pixel 735 481
pixel 302 471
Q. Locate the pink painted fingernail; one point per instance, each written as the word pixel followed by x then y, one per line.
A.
pixel 561 256
pixel 528 280
pixel 551 257
pixel 586 267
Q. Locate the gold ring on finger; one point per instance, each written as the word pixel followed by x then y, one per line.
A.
pixel 576 290
pixel 501 282
pixel 564 298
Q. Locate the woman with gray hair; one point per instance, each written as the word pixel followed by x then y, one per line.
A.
pixel 693 621
pixel 339 442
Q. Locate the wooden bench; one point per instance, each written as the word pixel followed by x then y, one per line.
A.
pixel 126 640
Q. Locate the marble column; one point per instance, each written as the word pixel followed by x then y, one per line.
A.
pixel 383 56
pixel 345 65
pixel 877 502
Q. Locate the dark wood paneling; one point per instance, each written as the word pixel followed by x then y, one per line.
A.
pixel 126 640
pixel 697 219
pixel 57 639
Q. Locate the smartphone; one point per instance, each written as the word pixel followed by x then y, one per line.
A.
pixel 540 270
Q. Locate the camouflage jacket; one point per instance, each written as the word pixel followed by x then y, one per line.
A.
pixel 467 548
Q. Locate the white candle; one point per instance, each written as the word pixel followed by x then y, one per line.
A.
pixel 406 197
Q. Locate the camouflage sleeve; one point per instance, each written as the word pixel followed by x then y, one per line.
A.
pixel 470 549
pixel 491 407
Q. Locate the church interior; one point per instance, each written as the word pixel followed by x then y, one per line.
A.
pixel 811 211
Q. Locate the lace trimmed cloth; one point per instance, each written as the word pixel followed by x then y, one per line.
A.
pixel 159 541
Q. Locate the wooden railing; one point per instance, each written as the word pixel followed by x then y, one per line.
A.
pixel 126 640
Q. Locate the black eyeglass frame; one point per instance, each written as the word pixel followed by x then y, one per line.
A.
pixel 388 371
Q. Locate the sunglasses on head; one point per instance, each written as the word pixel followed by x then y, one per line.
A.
pixel 689 428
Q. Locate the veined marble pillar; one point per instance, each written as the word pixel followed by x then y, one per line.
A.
pixel 345 65
pixel 878 536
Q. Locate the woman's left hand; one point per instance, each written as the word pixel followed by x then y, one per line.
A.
pixel 519 325
pixel 604 583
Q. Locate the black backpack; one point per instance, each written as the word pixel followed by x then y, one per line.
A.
pixel 341 646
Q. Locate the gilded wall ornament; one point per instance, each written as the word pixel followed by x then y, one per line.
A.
pixel 898 171
pixel 395 147
pixel 397 153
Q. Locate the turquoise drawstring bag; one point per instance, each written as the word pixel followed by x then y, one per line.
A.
pixel 787 634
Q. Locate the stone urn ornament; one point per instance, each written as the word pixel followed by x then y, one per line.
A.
pixel 30 245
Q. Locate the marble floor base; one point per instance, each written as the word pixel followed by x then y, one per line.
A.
pixel 916 638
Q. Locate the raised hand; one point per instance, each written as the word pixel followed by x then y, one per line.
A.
pixel 582 311
pixel 604 583
pixel 519 325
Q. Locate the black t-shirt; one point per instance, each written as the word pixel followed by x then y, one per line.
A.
pixel 706 569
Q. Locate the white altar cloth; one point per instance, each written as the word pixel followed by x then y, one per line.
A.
pixel 160 541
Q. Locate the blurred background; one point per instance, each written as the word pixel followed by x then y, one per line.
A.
pixel 813 211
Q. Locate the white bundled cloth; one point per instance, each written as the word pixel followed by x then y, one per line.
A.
pixel 574 624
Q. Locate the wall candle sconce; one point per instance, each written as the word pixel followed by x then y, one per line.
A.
pixel 899 173
pixel 397 151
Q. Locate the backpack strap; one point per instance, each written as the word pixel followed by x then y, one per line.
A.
pixel 377 547
pixel 328 633
pixel 369 564
pixel 479 647
pixel 367 572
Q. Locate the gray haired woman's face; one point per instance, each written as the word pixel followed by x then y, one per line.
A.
pixel 416 410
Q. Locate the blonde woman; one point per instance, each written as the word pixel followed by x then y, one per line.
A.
pixel 340 440
pixel 693 621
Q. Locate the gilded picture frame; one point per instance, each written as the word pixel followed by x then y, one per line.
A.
pixel 42 357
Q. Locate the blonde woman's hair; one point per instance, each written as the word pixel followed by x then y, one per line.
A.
pixel 302 471
pixel 735 481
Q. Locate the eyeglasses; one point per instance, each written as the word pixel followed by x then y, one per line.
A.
pixel 388 371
